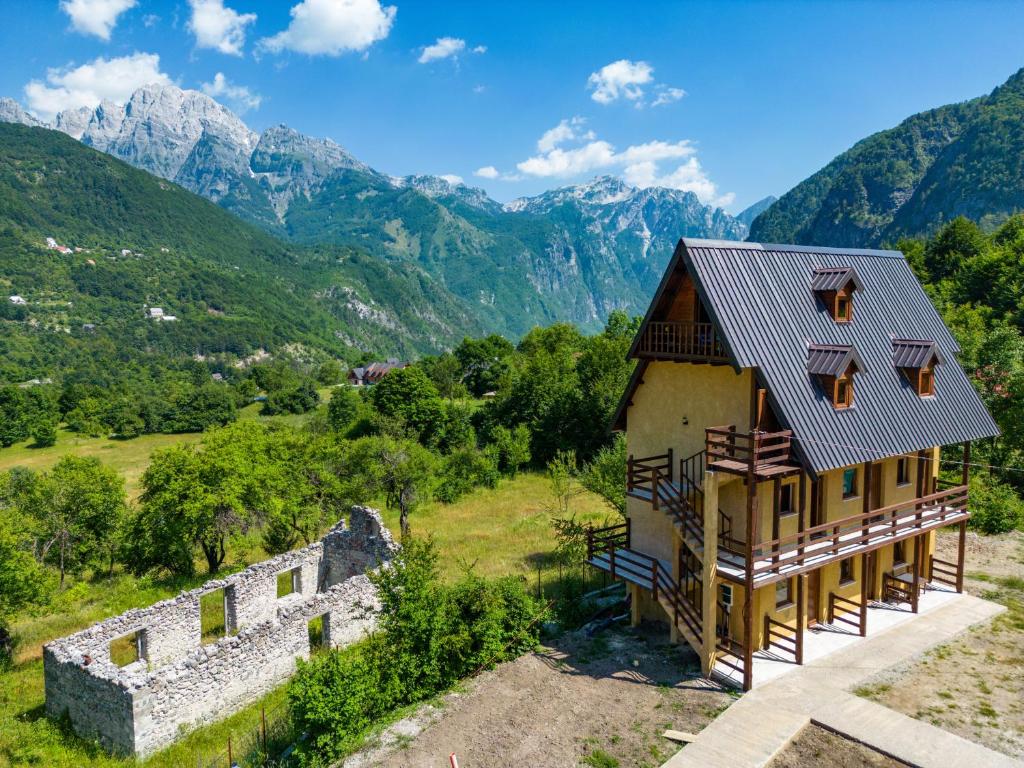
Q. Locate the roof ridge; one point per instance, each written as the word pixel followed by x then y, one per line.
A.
pixel 746 245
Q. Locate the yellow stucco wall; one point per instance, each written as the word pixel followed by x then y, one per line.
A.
pixel 704 395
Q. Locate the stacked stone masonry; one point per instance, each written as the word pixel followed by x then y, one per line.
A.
pixel 179 683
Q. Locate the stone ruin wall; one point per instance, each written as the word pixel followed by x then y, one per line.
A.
pixel 178 682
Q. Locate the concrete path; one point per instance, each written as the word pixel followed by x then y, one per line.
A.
pixel 762 723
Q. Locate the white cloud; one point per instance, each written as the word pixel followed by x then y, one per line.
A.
pixel 444 48
pixel 332 27
pixel 238 97
pixel 218 27
pixel 452 178
pixel 629 80
pixel 95 17
pixel 487 172
pixel 622 78
pixel 150 20
pixel 638 164
pixel 666 95
pixel 89 84
pixel 480 49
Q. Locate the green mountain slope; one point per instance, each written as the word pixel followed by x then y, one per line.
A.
pixel 962 159
pixel 233 288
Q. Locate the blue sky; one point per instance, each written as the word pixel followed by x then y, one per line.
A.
pixel 734 100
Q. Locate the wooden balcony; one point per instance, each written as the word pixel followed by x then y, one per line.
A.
pixel 764 454
pixel 684 341
pixel 811 548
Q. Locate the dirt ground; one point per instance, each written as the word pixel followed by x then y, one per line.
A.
pixel 603 702
pixel 814 747
pixel 974 685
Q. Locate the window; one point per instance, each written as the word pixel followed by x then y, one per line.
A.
pixel 850 483
pixel 926 382
pixel 317 629
pixel 787 506
pixel 784 593
pixel 213 623
pixel 903 471
pixel 842 395
pixel 289 582
pixel 899 553
pixel 128 649
pixel 844 307
pixel 846 571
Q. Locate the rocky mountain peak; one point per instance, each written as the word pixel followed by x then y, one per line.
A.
pixel 11 112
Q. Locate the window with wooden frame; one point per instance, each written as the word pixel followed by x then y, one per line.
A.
pixel 916 360
pixel 903 471
pixel 783 593
pixel 899 553
pixel 835 366
pixel 835 287
pixel 850 490
pixel 842 391
pixel 842 311
pixel 846 575
pixel 787 499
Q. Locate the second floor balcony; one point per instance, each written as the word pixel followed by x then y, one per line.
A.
pixel 682 341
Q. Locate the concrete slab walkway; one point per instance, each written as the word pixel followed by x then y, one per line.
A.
pixel 762 723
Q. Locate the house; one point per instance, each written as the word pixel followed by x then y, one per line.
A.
pixel 783 427
pixel 374 372
pixel 155 313
pixel 16 299
pixel 89 327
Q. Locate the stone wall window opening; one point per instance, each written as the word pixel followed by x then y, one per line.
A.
pixel 129 648
pixel 319 633
pixel 289 582
pixel 213 624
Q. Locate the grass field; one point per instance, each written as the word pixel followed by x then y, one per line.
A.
pixel 129 457
pixel 498 531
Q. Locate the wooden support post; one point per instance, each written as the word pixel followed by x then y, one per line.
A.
pixel 776 503
pixel 965 473
pixel 748 602
pixel 709 574
pixel 915 590
pixel 800 522
pixel 629 533
pixel 960 556
pixel 867 486
pixel 629 473
pixel 801 610
pixel 670 465
pixel 864 594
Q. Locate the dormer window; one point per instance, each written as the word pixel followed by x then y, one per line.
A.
pixel 834 366
pixel 835 286
pixel 916 360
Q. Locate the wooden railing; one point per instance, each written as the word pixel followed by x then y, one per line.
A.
pixel 682 609
pixel 682 340
pixel 644 472
pixel 848 606
pixel 944 572
pixel 869 529
pixel 783 637
pixel 608 539
pixel 755 449
pixel 896 590
pixel 731 654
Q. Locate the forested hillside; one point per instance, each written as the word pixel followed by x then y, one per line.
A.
pixel 128 241
pixel 957 160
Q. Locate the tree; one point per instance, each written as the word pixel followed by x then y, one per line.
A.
pixel 446 373
pixel 22 580
pixel 202 407
pixel 200 497
pixel 329 372
pixel 605 475
pixel 343 408
pixel 408 394
pixel 402 469
pixel 80 506
pixel 513 447
pixel 13 416
pixel 301 398
pixel 44 433
pixel 483 362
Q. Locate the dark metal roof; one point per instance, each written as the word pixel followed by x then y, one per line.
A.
pixel 832 359
pixel 834 278
pixel 914 353
pixel 757 295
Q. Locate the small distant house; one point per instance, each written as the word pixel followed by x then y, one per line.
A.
pixel 35 382
pixel 126 252
pixel 89 327
pixel 51 243
pixel 16 299
pixel 374 372
pixel 169 318
pixel 217 377
pixel 157 313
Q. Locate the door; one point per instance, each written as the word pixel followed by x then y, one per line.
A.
pixel 813 586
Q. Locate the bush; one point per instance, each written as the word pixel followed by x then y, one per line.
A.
pixel 343 408
pixel 432 636
pixel 300 399
pixel 463 471
pixel 44 434
pixel 995 507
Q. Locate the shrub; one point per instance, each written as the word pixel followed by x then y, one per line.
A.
pixel 995 507
pixel 432 635
pixel 343 408
pixel 464 470
pixel 44 434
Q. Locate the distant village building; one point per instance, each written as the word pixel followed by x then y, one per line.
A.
pixel 126 252
pixel 53 245
pixel 35 383
pixel 156 313
pixel 374 372
pixel 89 327
pixel 16 299
pixel 217 377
